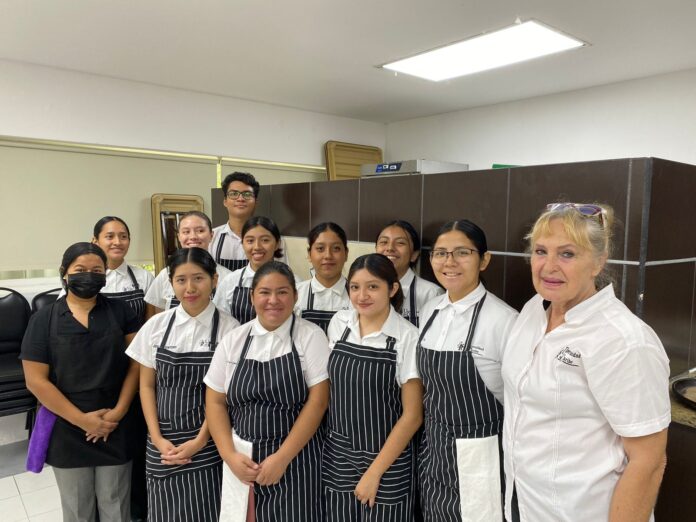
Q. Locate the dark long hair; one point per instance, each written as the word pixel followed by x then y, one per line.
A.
pixel 380 266
pixel 76 250
pixel 99 225
pixel 194 255
pixel 268 224
pixel 410 230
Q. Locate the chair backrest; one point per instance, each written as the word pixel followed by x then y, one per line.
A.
pixel 44 298
pixel 14 317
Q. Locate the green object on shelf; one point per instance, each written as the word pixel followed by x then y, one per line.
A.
pixel 503 166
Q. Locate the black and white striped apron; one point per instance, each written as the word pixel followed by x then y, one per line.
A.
pixel 412 313
pixel 457 405
pixel 230 264
pixel 134 298
pixel 321 318
pixel 240 305
pixel 365 405
pixel 190 491
pixel 264 401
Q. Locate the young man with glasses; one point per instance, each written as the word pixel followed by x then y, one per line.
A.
pixel 240 191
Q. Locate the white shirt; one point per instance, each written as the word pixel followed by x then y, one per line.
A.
pixel 225 289
pixel 425 291
pixel 232 247
pixel 331 299
pixel 161 292
pixel 310 343
pixel 188 334
pixel 119 280
pixel 450 329
pixel 405 334
pixel 570 395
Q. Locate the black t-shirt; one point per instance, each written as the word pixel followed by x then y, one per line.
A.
pixel 35 345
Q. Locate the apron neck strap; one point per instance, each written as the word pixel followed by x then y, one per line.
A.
pixel 132 276
pixel 218 250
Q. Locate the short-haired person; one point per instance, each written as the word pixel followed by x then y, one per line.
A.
pixel 376 401
pixel 586 384
pixel 239 193
pixel 75 363
pixel 462 338
pixel 268 382
pixel 174 349
pixel 261 242
pixel 325 293
pixel 194 230
pixel 399 241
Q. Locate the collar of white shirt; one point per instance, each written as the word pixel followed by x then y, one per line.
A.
pixel 580 312
pixel 338 288
pixel 390 328
pixel 204 318
pixel 122 269
pixel 406 281
pixel 283 331
pixel 229 231
pixel 465 302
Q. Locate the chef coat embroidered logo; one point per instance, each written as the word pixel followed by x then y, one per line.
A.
pixel 205 342
pixel 569 357
pixel 477 351
pixel 462 347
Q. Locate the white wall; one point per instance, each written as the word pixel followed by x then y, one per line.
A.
pixel 46 103
pixel 648 117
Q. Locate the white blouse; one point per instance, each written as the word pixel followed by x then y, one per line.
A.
pixel 450 329
pixel 570 395
pixel 331 299
pixel 310 343
pixel 188 334
pixel 225 289
pixel 404 333
pixel 425 291
pixel 161 291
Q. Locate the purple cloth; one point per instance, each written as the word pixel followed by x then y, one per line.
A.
pixel 40 438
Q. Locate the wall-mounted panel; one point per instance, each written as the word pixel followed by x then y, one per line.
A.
pixel 480 196
pixel 336 201
pixel 289 208
pixel 388 198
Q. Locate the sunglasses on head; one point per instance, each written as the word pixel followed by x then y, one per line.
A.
pixel 586 209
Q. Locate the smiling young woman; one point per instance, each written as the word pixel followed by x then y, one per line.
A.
pixel 174 349
pixel 399 241
pixel 261 242
pixel 325 293
pixel 608 371
pixel 367 464
pixel 194 230
pixel 268 383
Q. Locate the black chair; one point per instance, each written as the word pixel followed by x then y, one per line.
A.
pixel 44 298
pixel 14 317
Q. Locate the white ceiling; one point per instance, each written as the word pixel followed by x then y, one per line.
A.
pixel 320 55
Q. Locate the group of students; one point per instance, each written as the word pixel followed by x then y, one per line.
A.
pixel 373 397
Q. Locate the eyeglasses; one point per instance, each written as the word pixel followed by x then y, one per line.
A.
pixel 458 254
pixel 586 209
pixel 246 195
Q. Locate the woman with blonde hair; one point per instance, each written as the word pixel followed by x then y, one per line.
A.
pixel 586 384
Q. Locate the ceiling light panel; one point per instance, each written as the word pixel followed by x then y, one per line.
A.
pixel 517 43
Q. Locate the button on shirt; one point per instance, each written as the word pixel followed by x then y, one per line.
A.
pixel 450 329
pixel 330 299
pixel 161 291
pixel 570 395
pixel 225 289
pixel 310 343
pixel 404 333
pixel 188 334
pixel 119 280
pixel 425 291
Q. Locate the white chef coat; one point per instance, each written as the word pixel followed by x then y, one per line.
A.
pixel 188 334
pixel 161 291
pixel 404 333
pixel 330 299
pixel 225 290
pixel 119 280
pixel 232 247
pixel 451 327
pixel 425 291
pixel 570 395
pixel 310 343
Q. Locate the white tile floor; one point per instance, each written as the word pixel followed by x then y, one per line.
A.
pixel 30 497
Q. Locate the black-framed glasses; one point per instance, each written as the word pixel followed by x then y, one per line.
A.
pixel 246 194
pixel 458 254
pixel 586 209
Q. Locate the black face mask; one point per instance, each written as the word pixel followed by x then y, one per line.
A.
pixel 85 284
